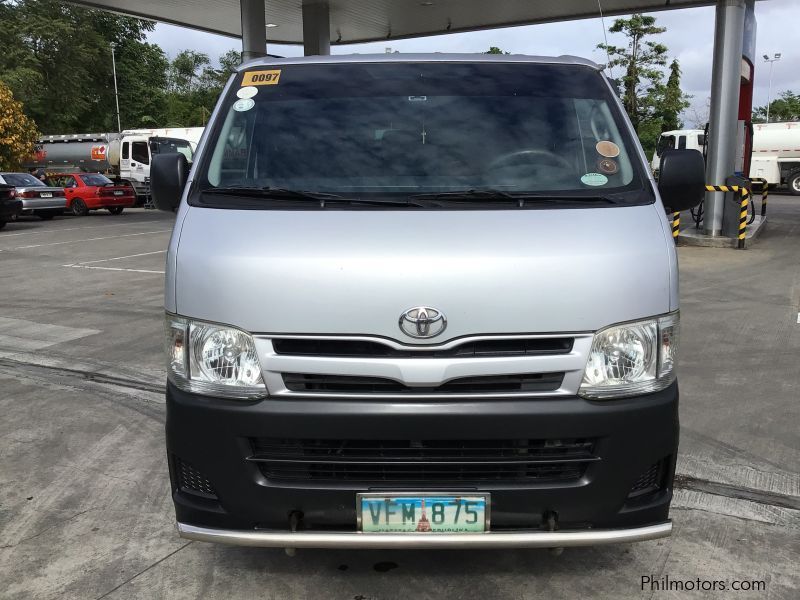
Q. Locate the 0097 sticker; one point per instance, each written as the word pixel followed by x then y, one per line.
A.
pixel 261 77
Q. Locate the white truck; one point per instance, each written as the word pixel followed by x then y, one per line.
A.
pixel 776 151
pixel 126 155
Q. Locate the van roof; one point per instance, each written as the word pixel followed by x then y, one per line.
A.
pixel 434 57
pixel 682 131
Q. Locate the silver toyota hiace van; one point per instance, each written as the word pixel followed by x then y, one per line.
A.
pixel 422 301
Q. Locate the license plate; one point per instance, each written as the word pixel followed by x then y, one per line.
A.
pixel 118 193
pixel 45 194
pixel 423 513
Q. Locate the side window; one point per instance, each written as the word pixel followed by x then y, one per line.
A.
pixel 139 152
pixel 701 140
pixel 682 142
pixel 70 182
pixel 126 153
pixel 665 142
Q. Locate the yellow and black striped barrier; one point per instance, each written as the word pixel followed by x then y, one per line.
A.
pixel 676 225
pixel 744 198
pixel 760 181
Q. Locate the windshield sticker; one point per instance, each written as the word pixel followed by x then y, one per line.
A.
pixel 594 179
pixel 243 104
pixel 261 78
pixel 247 92
pixel 607 165
pixel 607 149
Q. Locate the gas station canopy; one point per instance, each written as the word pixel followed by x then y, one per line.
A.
pixel 354 21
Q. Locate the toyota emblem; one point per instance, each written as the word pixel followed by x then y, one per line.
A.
pixel 422 322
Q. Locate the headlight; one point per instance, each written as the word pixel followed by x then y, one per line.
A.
pixel 213 360
pixel 631 359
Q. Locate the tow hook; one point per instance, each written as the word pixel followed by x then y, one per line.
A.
pixel 294 521
pixel 551 523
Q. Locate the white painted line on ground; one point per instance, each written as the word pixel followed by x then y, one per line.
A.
pixel 91 262
pixel 798 318
pixel 110 237
pixel 106 226
pixel 114 269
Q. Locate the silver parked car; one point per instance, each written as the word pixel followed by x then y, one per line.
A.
pixel 37 197
pixel 422 301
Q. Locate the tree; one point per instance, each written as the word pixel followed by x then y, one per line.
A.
pixel 674 101
pixel 17 132
pixel 495 50
pixel 56 58
pixel 639 60
pixel 142 80
pixel 784 108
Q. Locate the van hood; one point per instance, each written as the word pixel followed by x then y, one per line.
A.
pixel 355 272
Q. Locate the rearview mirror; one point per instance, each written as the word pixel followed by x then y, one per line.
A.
pixel 682 179
pixel 168 175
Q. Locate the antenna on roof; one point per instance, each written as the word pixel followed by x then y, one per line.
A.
pixel 605 37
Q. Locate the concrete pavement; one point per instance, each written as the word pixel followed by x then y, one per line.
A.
pixel 85 510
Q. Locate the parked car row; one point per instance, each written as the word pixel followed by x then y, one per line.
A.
pixel 74 193
pixel 93 191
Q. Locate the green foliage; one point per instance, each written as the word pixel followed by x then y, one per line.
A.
pixel 674 101
pixel 652 106
pixel 639 60
pixel 784 108
pixel 56 58
pixel 495 50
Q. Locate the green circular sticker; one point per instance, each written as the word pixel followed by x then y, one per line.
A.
pixel 594 179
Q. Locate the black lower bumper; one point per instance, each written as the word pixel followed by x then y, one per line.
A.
pixel 9 209
pixel 632 439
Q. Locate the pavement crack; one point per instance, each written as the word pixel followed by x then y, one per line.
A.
pixel 145 570
pixel 46 529
pixel 715 488
pixel 94 376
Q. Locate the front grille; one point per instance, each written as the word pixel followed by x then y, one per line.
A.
pixel 412 461
pixel 191 481
pixel 648 482
pixel 348 384
pixel 368 349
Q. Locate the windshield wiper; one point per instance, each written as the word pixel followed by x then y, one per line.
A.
pixel 521 198
pixel 272 193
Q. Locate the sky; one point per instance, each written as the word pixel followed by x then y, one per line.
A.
pixel 689 37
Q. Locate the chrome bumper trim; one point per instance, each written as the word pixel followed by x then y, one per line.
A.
pixel 494 539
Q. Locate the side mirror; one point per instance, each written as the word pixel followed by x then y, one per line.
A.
pixel 681 179
pixel 168 175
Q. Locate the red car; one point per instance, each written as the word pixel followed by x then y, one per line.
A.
pixel 93 191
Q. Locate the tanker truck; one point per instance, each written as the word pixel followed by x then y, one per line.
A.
pixel 125 156
pixel 776 151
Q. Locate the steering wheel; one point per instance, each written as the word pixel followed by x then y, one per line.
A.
pixel 529 152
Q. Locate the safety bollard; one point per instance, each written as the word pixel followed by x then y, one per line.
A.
pixel 676 225
pixel 744 198
pixel 744 195
pixel 764 193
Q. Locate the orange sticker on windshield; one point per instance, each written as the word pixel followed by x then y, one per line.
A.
pixel 607 149
pixel 261 77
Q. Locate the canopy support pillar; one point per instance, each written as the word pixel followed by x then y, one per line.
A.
pixel 316 28
pixel 254 29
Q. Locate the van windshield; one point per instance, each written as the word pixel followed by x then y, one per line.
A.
pixel 400 129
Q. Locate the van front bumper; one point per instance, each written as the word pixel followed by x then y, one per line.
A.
pixel 491 539
pixel 239 505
